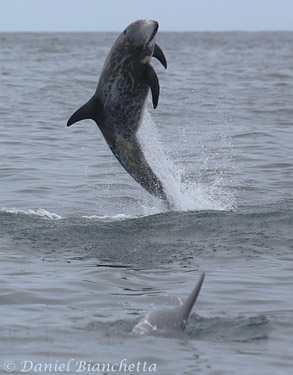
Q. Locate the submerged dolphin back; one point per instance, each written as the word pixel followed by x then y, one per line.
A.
pixel 119 101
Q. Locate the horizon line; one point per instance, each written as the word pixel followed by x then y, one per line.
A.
pixel 161 31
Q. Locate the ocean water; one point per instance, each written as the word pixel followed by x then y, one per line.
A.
pixel 86 252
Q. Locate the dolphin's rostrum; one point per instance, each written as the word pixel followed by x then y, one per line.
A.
pixel 120 98
pixel 169 319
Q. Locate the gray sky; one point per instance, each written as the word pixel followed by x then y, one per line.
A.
pixel 106 15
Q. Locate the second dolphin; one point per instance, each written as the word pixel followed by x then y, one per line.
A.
pixel 169 319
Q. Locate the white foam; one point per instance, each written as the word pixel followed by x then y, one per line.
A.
pixel 39 212
pixel 183 196
pixel 143 327
pixel 118 217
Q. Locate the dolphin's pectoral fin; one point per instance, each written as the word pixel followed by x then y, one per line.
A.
pixel 159 54
pixel 90 110
pixel 153 82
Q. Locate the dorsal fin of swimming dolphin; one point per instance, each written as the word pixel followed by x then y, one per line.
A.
pixel 185 309
pixel 91 110
pixel 153 82
pixel 159 54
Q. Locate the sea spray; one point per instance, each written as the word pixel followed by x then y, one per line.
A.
pixel 183 194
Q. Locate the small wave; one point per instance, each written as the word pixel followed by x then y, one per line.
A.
pixel 39 212
pixel 238 329
pixel 118 217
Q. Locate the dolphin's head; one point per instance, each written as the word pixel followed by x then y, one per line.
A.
pixel 139 38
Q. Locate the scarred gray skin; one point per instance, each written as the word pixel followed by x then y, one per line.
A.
pixel 169 319
pixel 119 101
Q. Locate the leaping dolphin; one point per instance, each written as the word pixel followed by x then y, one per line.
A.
pixel 119 101
pixel 169 319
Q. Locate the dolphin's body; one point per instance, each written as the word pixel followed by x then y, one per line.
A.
pixel 120 98
pixel 169 319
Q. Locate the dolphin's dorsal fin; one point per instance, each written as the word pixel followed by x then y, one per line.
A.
pixel 159 54
pixel 152 80
pixel 90 110
pixel 187 306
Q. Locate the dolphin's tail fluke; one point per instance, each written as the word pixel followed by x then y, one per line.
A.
pixel 131 157
pixel 187 306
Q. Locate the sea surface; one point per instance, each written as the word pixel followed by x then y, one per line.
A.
pixel 86 252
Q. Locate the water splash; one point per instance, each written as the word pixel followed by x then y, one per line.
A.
pixel 183 194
